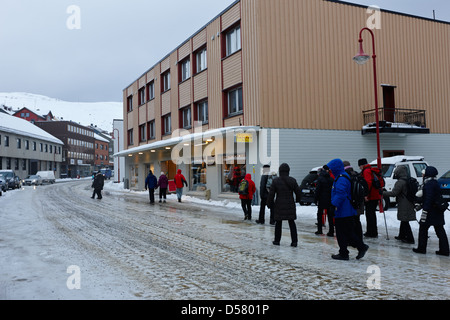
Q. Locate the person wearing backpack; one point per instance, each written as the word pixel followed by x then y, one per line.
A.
pixel 264 187
pixel 372 200
pixel 345 214
pixel 431 216
pixel 246 190
pixel 281 200
pixel 323 200
pixel 405 204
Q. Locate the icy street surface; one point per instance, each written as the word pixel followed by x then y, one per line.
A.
pixel 127 249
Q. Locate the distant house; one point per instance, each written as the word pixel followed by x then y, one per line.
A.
pixel 27 149
pixel 31 116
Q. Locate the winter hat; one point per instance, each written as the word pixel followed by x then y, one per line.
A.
pixel 362 162
pixel 284 167
pixel 346 163
pixel 431 172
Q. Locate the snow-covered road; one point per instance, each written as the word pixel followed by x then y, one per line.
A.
pixel 54 238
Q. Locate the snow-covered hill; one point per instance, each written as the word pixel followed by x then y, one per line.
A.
pixel 100 114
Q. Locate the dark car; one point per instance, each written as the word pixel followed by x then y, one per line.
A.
pixel 12 181
pixel 444 183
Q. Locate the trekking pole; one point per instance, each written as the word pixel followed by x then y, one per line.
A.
pixel 380 204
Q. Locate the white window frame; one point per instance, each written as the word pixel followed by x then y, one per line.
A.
pixel 185 69
pixel 202 61
pixel 202 112
pixel 166 81
pixel 186 117
pixel 233 40
pixel 167 124
pixel 235 103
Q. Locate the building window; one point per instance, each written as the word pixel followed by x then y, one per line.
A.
pixel 151 129
pixel 130 137
pixel 27 144
pixel 19 143
pixel 6 141
pixel 130 103
pixel 141 96
pixel 34 146
pixel 185 118
pixel 151 90
pixel 165 83
pixel 200 60
pixel 202 112
pixel 234 98
pixel 185 70
pixel 233 40
pixel 167 124
pixel 142 133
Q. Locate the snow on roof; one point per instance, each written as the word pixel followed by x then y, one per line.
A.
pixel 22 127
pixel 100 138
pixel 396 159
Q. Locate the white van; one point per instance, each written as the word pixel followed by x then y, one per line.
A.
pixel 47 176
pixel 414 166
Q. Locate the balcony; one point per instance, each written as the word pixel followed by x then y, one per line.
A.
pixel 396 120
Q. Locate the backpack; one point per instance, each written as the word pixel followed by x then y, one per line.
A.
pixel 359 190
pixel 269 182
pixel 378 180
pixel 412 186
pixel 243 187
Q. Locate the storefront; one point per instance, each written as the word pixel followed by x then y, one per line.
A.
pixel 213 162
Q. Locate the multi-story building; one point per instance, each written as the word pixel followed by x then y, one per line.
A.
pixel 101 157
pixel 281 73
pixel 27 149
pixel 79 144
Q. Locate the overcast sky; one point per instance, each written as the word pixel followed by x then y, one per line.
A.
pixel 44 52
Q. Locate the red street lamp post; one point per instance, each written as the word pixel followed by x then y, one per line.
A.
pixel 361 58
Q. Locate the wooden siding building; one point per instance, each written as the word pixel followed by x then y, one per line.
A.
pixel 287 65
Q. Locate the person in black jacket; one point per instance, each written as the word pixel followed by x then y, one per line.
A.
pixel 323 200
pixel 97 184
pixel 281 199
pixel 263 194
pixel 430 215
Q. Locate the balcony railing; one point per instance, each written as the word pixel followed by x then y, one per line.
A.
pixel 398 120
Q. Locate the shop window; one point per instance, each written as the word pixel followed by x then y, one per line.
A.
pixel 232 174
pixel 198 177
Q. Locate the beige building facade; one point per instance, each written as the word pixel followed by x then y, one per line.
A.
pixel 276 79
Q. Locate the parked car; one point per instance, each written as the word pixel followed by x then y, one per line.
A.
pixel 308 187
pixel 12 181
pixel 414 166
pixel 47 176
pixel 3 186
pixel 444 183
pixel 33 180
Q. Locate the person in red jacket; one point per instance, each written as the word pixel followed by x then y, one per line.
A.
pixel 372 199
pixel 180 181
pixel 247 197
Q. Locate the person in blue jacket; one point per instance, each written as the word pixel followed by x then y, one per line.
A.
pixel 151 183
pixel 345 215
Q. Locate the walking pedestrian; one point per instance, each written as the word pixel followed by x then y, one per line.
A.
pixel 372 200
pixel 246 190
pixel 405 207
pixel 360 210
pixel 323 200
pixel 151 184
pixel 97 184
pixel 431 216
pixel 345 215
pixel 180 182
pixel 163 183
pixel 264 186
pixel 281 199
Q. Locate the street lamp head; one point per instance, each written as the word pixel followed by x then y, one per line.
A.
pixel 361 57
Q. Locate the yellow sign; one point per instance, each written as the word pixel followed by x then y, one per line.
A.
pixel 244 137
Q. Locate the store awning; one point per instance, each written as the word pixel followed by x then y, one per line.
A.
pixel 175 140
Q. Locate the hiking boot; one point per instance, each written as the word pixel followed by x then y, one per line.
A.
pixel 339 257
pixel 441 253
pixel 419 251
pixel 362 252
